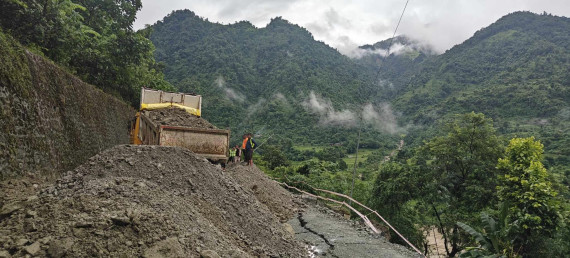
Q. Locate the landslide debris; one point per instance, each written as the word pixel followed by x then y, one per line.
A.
pixel 280 202
pixel 148 201
pixel 177 117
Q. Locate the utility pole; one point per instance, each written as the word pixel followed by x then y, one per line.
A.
pixel 355 159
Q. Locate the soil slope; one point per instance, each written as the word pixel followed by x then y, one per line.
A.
pixel 280 202
pixel 148 201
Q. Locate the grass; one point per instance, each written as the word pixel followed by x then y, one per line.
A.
pixel 362 156
pixel 309 147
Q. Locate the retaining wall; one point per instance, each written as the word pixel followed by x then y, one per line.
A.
pixel 50 120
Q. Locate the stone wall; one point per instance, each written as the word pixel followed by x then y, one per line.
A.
pixel 51 121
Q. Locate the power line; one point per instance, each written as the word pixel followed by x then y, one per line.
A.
pixel 395 30
pixel 392 38
pixel 360 119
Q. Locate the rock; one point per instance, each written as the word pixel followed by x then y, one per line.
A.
pixel 83 224
pixel 238 254
pixel 45 240
pixel 209 254
pixel 169 247
pixel 31 214
pixel 30 226
pixel 289 229
pixel 33 249
pixel 5 254
pixel 121 221
pixel 8 209
pixel 22 242
pixel 57 249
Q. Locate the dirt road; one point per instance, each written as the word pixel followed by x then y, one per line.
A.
pixel 328 234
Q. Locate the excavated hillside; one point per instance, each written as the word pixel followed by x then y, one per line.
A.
pixel 50 120
pixel 150 201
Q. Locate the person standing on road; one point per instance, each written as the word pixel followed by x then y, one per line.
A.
pixel 232 155
pixel 238 154
pixel 249 147
pixel 243 144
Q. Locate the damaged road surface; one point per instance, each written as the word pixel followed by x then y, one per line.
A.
pixel 328 234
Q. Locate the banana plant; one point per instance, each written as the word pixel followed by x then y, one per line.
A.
pixel 492 239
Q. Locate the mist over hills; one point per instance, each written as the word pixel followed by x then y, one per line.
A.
pixel 280 79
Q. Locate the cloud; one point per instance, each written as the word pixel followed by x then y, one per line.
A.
pixel 252 109
pixel 230 93
pixel 382 118
pixel 280 96
pixel 334 19
pixel 385 84
pixel 328 115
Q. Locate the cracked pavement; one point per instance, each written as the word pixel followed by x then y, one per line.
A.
pixel 329 234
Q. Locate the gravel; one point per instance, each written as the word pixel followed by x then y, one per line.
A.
pixel 177 117
pixel 148 201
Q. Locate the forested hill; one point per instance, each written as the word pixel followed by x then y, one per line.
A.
pixel 258 62
pixel 254 78
pixel 394 68
pixel 516 67
pixel 514 71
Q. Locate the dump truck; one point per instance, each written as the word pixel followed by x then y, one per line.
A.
pixel 185 128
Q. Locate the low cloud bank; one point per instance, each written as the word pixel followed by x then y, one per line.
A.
pixel 230 93
pixel 381 117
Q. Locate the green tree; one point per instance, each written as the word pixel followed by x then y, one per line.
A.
pixel 274 157
pixel 394 188
pixel 92 38
pixel 525 188
pixel 331 153
pixel 458 174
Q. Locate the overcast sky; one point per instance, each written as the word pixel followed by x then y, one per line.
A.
pixel 345 24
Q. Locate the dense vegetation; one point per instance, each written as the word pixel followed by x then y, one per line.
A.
pixel 259 79
pixel 514 71
pixel 93 39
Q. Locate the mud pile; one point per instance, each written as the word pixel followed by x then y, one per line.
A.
pixel 148 201
pixel 279 201
pixel 177 117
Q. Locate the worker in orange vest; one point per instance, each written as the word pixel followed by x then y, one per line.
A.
pixel 249 147
pixel 244 143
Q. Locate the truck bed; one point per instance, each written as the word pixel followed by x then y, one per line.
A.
pixel 212 144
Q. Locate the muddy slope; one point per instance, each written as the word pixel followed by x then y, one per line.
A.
pixel 280 202
pixel 145 201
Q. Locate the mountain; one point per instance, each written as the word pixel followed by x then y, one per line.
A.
pixel 514 71
pixel 520 55
pixel 281 57
pixel 279 79
pixel 394 68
